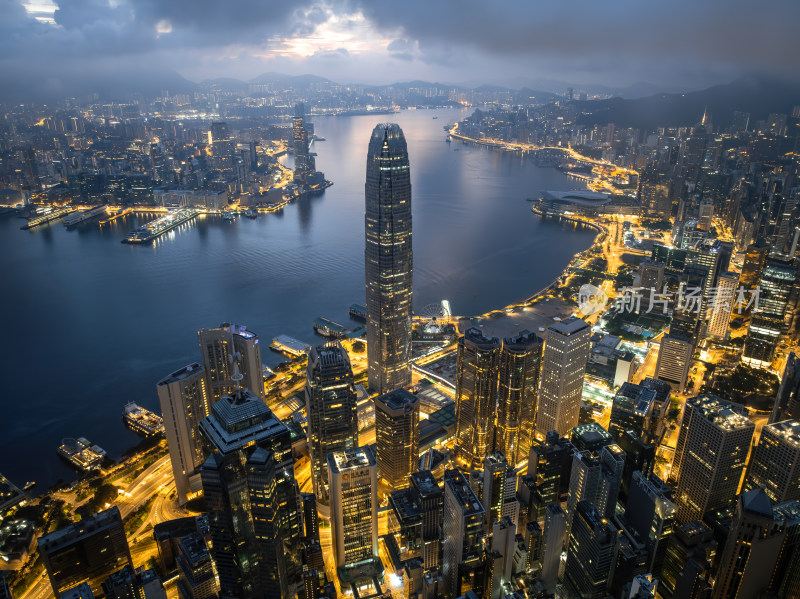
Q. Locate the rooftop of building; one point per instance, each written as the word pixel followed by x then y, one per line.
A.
pixel 351 459
pixel 724 414
pixel 569 326
pixel 79 530
pixel 590 435
pixel 476 337
pixel 183 373
pixel 425 483
pixel 239 418
pixel 456 482
pixel 787 430
pixel 522 341
pixel 405 506
pixel 399 399
pixel 328 355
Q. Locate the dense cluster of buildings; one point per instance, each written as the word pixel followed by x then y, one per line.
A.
pixel 521 496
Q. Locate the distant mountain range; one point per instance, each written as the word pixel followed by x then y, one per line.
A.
pixel 756 95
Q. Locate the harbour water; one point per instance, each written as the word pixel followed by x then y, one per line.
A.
pixel 91 324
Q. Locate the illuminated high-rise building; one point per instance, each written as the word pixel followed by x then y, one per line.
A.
pixel 252 499
pixel 710 456
pixel 225 345
pixel 755 257
pixel 767 320
pixel 353 478
pixel 674 360
pixel 388 260
pixel 651 513
pixel 566 351
pixel 397 437
pixel 184 400
pixel 464 533
pixel 476 395
pixel 590 552
pixel 787 402
pixel 332 412
pixel 304 163
pixel 720 311
pixel 518 377
pixel 775 462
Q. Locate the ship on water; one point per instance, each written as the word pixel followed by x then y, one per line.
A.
pixel 73 220
pixel 82 453
pixel 142 421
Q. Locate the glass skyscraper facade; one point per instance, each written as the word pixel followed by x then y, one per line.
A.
pixel 388 259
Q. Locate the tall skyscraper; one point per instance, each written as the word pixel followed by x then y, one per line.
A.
pixel 710 456
pixel 775 463
pixel 767 320
pixel 688 562
pixel 555 527
pixel 752 548
pixel 787 402
pixel 430 497
pixel 89 550
pixel 303 160
pixel 651 514
pixel 596 477
pixel 632 409
pixel 252 499
pixel 518 388
pixel 353 477
pixel 563 365
pixel 463 532
pixel 590 553
pixel 397 436
pixel 724 299
pixel 388 260
pixel 332 412
pixel 225 345
pixel 499 490
pixel 476 395
pixel 674 360
pixel 184 403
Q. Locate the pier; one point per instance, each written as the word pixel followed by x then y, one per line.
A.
pixel 48 217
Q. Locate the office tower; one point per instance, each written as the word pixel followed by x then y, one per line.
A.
pixel 596 477
pixel 550 463
pixel 534 540
pixel 710 456
pixel 128 583
pixel 654 194
pixel 476 395
pixel 184 401
pixel 463 531
pixel 397 437
pixel 89 550
pixel 430 497
pixel 673 259
pixel 332 412
pixel 725 297
pixel 388 260
pixel 787 401
pixel 303 160
pixel 252 499
pixel 308 501
pixel 705 215
pixel 591 437
pixel 353 476
pixel 640 454
pixel 555 527
pixel 499 490
pixel 658 423
pixel 755 257
pixel 674 360
pixel 195 570
pixel 651 514
pixel 651 276
pixel 405 525
pixel 563 365
pixel 223 346
pixel 775 463
pixel 643 587
pixel 752 549
pixel 590 552
pixel 632 409
pixel 500 558
pixel 630 559
pixel 688 562
pixel 520 363
pixel 767 320
pixel 786 575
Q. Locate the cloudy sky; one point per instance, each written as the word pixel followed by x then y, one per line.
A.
pixel 679 44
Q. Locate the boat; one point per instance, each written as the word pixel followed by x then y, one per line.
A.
pixel 228 215
pixel 29 485
pixel 73 220
pixel 155 229
pixel 436 117
pixel 81 453
pixel 142 421
pixel 447 139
